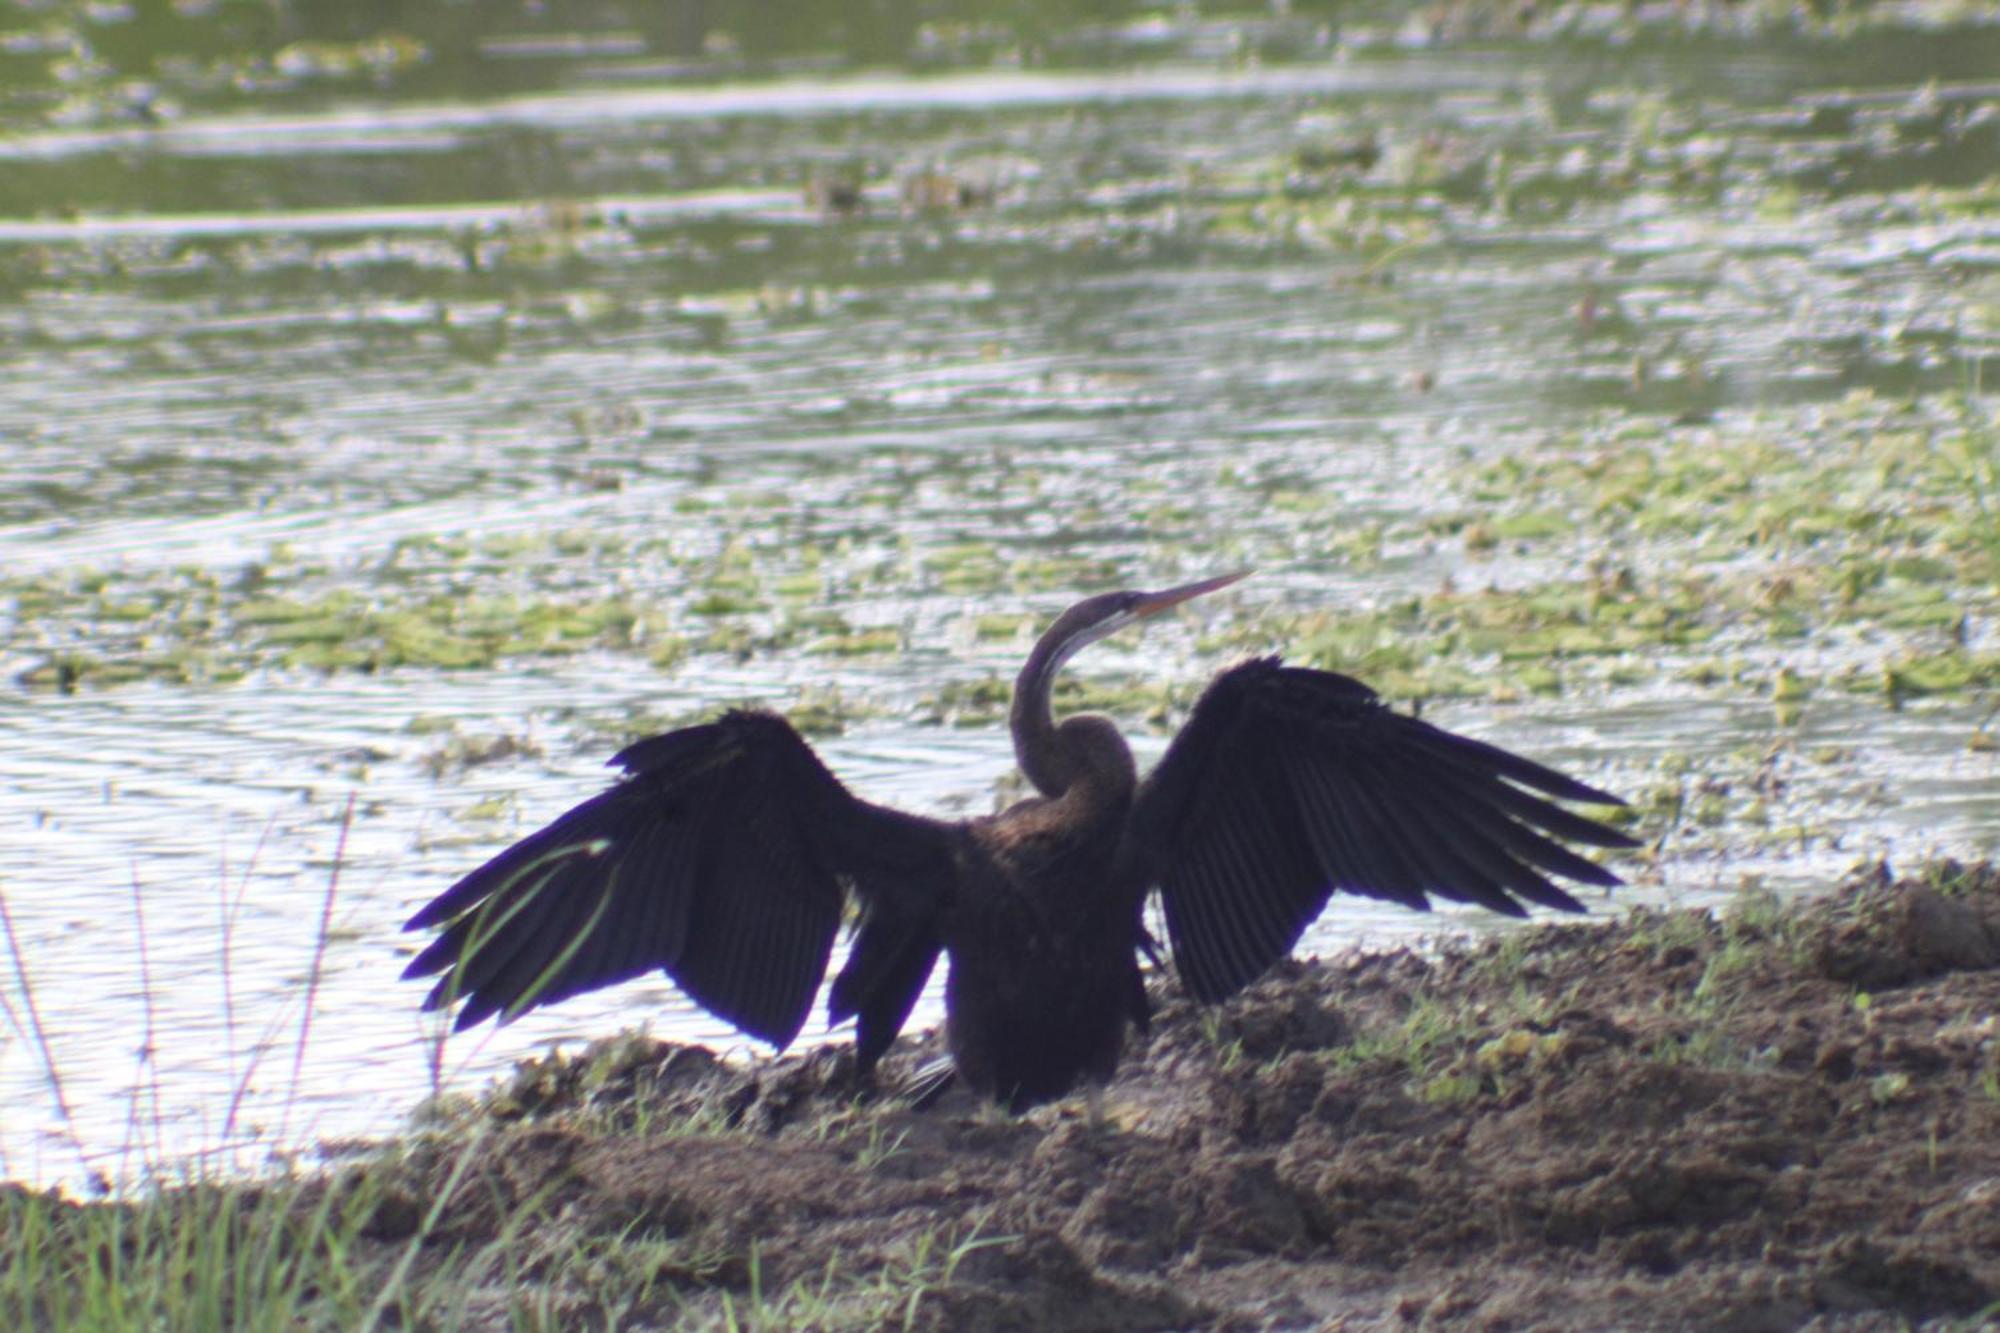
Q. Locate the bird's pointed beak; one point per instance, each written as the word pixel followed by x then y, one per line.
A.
pixel 1153 603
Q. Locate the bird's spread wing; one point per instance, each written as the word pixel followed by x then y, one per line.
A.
pixel 721 858
pixel 895 947
pixel 1287 784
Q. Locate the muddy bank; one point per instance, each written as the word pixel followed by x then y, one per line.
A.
pixel 1772 1119
pixel 1775 1119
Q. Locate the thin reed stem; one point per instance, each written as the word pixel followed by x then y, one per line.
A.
pixel 230 907
pixel 41 1037
pixel 148 1047
pixel 317 971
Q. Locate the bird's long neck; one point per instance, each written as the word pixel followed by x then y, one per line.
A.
pixel 1102 774
pixel 1038 747
pixel 1084 759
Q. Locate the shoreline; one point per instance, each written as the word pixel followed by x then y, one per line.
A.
pixel 1759 1119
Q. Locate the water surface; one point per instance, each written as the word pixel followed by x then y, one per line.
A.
pixel 383 450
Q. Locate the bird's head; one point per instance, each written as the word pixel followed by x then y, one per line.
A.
pixel 1094 618
pixel 1050 759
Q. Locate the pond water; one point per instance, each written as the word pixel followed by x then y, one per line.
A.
pixel 396 421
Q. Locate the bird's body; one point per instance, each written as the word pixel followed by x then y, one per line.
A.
pixel 728 853
pixel 1042 945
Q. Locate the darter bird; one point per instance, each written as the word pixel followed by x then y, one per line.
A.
pixel 727 853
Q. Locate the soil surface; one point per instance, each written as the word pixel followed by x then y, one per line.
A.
pixel 1774 1119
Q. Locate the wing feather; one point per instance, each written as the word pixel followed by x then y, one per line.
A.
pixel 1287 785
pixel 1553 819
pixel 1483 757
pixel 1479 810
pixel 722 858
pixel 480 946
pixel 1335 826
pixel 1488 862
pixel 1233 888
pixel 1374 861
pixel 1394 821
pixel 893 955
pixel 1195 901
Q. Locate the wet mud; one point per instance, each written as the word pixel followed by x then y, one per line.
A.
pixel 1774 1118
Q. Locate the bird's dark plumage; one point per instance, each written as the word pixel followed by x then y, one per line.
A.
pixel 727 854
pixel 724 858
pixel 1287 785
